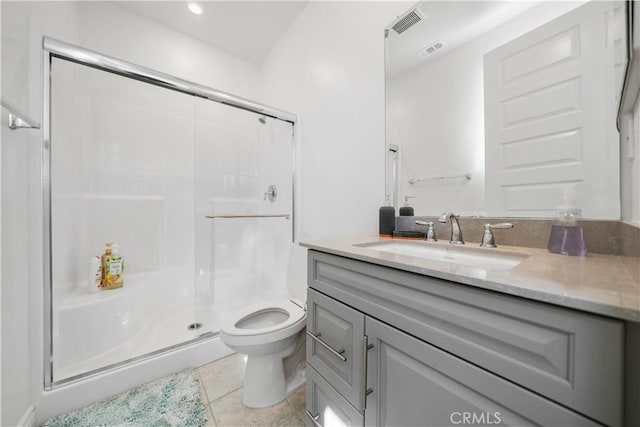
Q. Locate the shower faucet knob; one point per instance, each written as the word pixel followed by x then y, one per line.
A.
pixel 271 193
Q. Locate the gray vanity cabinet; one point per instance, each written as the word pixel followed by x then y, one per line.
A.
pixel 426 352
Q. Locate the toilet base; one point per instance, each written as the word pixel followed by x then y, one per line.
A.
pixel 265 382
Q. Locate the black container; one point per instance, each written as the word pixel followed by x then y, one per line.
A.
pixel 387 221
pixel 406 211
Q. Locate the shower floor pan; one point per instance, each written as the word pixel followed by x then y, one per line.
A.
pixel 150 313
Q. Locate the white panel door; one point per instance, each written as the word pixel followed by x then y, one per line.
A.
pixel 548 116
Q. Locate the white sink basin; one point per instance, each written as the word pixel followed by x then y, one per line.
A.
pixel 488 259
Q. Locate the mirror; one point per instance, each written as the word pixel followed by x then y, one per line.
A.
pixel 499 108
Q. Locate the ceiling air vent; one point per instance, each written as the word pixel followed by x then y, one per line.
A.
pixel 431 49
pixel 408 21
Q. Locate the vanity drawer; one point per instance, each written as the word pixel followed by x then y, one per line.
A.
pixel 570 357
pixel 336 352
pixel 325 406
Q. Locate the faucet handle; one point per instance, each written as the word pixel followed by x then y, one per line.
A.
pixel 488 240
pixel 431 231
pixel 447 215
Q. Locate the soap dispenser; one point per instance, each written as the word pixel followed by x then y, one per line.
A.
pixel 104 259
pixel 387 219
pixel 567 236
pixel 112 267
pixel 117 267
pixel 407 210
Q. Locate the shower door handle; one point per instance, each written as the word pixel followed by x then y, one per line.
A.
pixel 337 353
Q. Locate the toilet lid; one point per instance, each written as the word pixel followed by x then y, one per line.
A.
pixel 297 273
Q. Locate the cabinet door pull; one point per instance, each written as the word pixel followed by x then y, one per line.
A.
pixel 314 419
pixel 337 353
pixel 365 348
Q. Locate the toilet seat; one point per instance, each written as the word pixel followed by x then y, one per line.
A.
pixel 234 334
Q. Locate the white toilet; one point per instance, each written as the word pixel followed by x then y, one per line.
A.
pixel 272 335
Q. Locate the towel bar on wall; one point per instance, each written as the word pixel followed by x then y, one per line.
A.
pixel 286 216
pixel 440 178
pixel 18 119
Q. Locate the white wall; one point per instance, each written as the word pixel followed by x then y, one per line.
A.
pixel 1 124
pixel 20 160
pixel 329 68
pixel 112 30
pixel 15 277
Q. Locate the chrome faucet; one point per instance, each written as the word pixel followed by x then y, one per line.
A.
pixel 456 232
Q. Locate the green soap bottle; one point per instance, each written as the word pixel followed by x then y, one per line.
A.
pixel 112 268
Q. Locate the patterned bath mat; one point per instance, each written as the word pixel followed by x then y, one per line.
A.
pixel 173 400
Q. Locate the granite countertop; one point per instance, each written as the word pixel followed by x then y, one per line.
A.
pixel 602 284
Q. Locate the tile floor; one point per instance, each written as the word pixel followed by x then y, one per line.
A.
pixel 221 383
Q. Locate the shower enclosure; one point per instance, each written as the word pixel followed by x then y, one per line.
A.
pixel 194 185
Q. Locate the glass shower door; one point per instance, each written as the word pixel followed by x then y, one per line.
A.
pixel 197 194
pixel 244 207
pixel 121 170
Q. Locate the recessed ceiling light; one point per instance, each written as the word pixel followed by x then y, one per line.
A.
pixel 195 8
